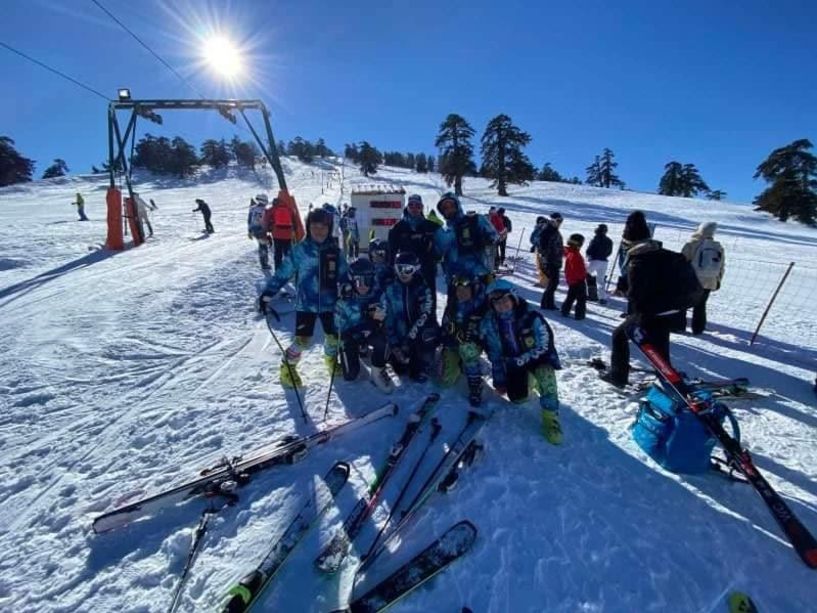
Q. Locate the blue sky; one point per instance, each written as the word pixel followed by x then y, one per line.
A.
pixel 715 83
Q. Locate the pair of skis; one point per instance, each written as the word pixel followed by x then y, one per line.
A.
pixel 223 479
pixel 699 403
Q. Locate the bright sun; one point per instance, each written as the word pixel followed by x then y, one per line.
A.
pixel 223 57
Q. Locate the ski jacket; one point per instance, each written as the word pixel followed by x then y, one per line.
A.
pixel 660 282
pixel 416 235
pixel 350 229
pixel 575 268
pixel 383 275
pixel 408 310
pixel 706 256
pixel 496 222
pixel 255 220
pixel 353 311
pixel 318 270
pixel 535 236
pixel 204 208
pixel 278 221
pixel 600 248
pixel 520 337
pixel 551 246
pixel 461 244
pixel 506 221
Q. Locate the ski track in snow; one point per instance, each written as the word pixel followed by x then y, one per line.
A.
pixel 122 374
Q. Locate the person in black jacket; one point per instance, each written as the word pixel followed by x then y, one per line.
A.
pixel 598 251
pixel 551 253
pixel 501 245
pixel 415 234
pixel 205 212
pixel 650 288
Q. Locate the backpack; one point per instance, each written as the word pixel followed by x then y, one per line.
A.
pixel 667 431
pixel 707 262
pixel 469 235
pixel 282 217
pixel 683 289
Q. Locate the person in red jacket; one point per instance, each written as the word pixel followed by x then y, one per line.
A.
pixel 576 277
pixel 279 222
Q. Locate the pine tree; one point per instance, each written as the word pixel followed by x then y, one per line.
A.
pixel 502 156
pixel 549 174
pixel 184 158
pixel 607 175
pixel 411 161
pixel 245 153
pixel 369 158
pixel 321 150
pixel 716 194
pixel 214 153
pixel 431 163
pixel 456 151
pixel 282 148
pixel 350 152
pixel 792 172
pixel 58 169
pixel 422 163
pixel 681 180
pixel 14 168
pixel 594 173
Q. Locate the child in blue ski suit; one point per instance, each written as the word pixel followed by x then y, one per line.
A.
pixel 464 311
pixel 519 343
pixel 379 256
pixel 319 267
pixel 359 320
pixel 462 243
pixel 411 329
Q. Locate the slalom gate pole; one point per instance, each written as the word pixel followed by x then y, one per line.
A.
pixel 284 357
pixel 771 302
pixel 331 383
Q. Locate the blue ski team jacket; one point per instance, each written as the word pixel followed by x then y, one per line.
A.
pixel 408 307
pixel 448 245
pixel 319 269
pixel 351 311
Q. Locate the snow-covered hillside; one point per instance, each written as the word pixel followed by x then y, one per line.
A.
pixel 127 372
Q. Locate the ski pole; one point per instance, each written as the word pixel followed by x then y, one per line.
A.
pixel 335 366
pixel 271 311
pixel 198 535
pixel 518 246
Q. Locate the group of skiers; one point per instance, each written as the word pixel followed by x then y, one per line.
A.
pixel 384 306
pixel 272 227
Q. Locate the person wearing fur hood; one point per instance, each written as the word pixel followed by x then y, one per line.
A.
pixel 708 260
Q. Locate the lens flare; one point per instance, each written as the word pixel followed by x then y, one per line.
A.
pixel 223 57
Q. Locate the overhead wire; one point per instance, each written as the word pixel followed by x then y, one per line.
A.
pixel 149 49
pixel 55 71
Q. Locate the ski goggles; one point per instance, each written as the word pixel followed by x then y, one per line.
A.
pixel 406 270
pixel 363 280
pixel 500 295
pixel 461 282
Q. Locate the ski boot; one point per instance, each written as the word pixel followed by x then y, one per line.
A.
pixel 290 378
pixel 551 428
pixel 381 380
pixel 332 365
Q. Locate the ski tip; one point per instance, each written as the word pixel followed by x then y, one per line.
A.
pixel 739 602
pixel 810 558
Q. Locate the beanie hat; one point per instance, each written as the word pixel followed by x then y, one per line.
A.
pixel 601 228
pixel 262 198
pixel 556 216
pixel 415 198
pixel 636 228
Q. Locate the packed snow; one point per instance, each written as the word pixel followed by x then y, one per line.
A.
pixel 124 373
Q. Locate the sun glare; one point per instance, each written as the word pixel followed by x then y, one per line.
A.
pixel 223 57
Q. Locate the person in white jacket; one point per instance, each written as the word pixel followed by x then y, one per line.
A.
pixel 708 259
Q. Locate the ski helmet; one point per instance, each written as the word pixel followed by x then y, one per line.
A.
pixel 448 197
pixel 378 248
pixel 361 272
pixel 501 288
pixel 262 198
pixel 320 216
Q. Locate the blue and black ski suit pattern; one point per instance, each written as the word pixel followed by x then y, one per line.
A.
pixel 518 343
pixel 462 244
pixel 357 328
pixel 410 323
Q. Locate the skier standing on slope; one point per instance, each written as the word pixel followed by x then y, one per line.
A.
pixel 519 343
pixel 656 287
pixel 319 267
pixel 256 229
pixel 541 222
pixel 205 213
pixel 507 228
pixel 359 319
pixel 576 277
pixel 414 233
pixel 279 221
pixel 708 260
pixel 598 251
pixel 80 204
pixel 464 311
pixel 551 253
pixel 462 243
pixel 411 329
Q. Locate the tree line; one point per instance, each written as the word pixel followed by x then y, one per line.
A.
pixel 789 171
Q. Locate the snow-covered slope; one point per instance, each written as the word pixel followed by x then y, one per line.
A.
pixel 128 372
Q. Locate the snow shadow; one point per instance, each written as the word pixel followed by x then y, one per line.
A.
pixel 23 287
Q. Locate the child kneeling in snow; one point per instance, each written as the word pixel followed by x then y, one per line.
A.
pixel 359 317
pixel 519 343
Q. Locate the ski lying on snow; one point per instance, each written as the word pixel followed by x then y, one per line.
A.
pixel 246 592
pixel 222 479
pixel 332 556
pixel 440 479
pixel 699 402
pixel 451 546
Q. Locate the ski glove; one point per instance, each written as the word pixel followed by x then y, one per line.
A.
pixel 263 301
